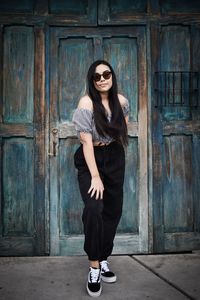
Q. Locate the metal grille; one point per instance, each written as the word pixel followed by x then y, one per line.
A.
pixel 177 89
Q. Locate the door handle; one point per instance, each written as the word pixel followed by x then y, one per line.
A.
pixel 54 139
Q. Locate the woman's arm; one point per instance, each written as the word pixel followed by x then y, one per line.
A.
pixel 88 151
pixel 123 101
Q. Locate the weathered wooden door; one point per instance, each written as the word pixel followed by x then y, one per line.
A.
pixel 71 53
pixel 22 188
pixel 176 137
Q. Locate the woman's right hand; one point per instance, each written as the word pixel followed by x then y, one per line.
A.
pixel 96 187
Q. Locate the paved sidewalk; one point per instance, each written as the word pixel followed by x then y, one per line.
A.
pixel 140 277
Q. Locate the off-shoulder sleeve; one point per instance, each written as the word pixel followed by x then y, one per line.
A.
pixel 82 119
pixel 125 108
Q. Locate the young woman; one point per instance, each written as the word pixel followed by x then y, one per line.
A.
pixel 101 122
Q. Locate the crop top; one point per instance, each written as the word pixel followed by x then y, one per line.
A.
pixel 83 120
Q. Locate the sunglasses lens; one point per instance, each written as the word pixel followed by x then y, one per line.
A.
pixel 106 75
pixel 97 77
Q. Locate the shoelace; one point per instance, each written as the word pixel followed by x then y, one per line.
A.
pixel 104 266
pixel 94 275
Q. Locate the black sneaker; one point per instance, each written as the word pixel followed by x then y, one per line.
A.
pixel 94 287
pixel 106 274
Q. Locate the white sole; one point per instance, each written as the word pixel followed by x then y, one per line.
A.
pixel 97 294
pixel 109 280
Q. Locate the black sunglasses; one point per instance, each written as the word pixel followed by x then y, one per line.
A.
pixel 106 75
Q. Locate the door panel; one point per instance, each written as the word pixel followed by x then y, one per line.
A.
pixel 121 52
pixel 175 59
pixel 121 12
pixel 18 196
pixel 22 147
pixel 177 184
pixel 71 53
pixel 175 133
pixel 75 12
pixel 130 218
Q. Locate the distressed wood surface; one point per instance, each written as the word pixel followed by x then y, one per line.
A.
pixel 176 59
pixel 129 222
pixel 76 47
pixel 157 205
pixel 17 68
pixel 121 12
pixel 174 150
pixel 22 6
pixel 177 184
pixel 1 73
pixel 39 139
pixel 174 6
pixel 70 210
pixel 22 246
pixel 17 188
pixel 173 130
pixel 75 11
pixel 176 242
pixel 114 50
pixel 181 127
pixel 7 130
pixel 22 131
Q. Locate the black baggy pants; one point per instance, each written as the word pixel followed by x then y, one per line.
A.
pixel 101 217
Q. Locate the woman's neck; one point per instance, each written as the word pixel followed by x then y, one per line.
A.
pixel 104 96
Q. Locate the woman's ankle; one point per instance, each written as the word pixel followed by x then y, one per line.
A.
pixel 94 264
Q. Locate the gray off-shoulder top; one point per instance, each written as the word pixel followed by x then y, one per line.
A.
pixel 83 120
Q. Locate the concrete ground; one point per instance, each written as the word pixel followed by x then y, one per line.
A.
pixel 140 277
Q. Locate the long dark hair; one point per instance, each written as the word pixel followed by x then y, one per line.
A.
pixel 116 128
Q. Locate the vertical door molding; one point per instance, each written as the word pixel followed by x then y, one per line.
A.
pixel 40 149
pixel 142 133
pixel 158 232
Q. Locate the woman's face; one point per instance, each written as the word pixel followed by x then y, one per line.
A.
pixel 102 83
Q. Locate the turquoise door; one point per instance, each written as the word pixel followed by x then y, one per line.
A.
pixel 22 182
pixel 176 138
pixel 71 53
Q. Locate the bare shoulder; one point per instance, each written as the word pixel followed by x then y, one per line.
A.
pixel 85 102
pixel 122 99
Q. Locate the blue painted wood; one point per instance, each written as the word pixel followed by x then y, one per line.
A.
pixel 75 6
pixel 195 178
pixel 120 12
pixel 18 187
pixel 22 190
pixel 175 59
pixel 121 52
pixel 18 71
pixel 71 204
pixel 175 140
pixel 129 221
pixel 157 148
pixel 77 11
pixel 17 6
pixel 177 184
pixel 184 6
pixel 72 52
pixel 127 6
